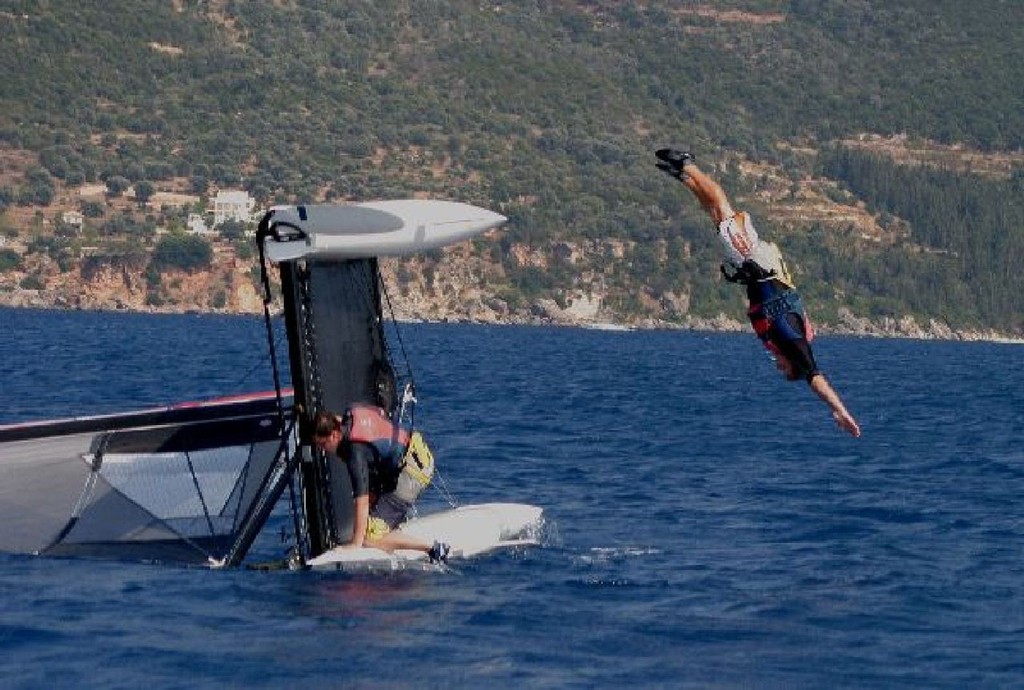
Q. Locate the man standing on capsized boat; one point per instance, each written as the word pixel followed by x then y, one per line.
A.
pixel 365 441
pixel 776 310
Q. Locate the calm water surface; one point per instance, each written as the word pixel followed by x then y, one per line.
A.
pixel 708 526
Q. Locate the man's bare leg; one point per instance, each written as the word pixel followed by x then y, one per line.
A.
pixel 397 540
pixel 392 541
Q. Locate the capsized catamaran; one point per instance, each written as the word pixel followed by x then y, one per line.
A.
pixel 195 483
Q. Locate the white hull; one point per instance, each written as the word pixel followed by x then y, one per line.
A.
pixel 470 531
pixel 377 228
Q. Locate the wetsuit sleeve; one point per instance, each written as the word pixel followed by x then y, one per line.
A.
pixel 357 457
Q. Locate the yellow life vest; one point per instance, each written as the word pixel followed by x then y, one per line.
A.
pixel 417 469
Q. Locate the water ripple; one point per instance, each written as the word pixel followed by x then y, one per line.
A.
pixel 707 525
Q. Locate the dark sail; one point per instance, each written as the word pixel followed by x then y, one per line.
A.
pixel 338 357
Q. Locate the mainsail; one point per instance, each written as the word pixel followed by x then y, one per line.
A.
pixel 338 357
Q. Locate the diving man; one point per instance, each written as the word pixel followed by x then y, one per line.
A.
pixel 775 308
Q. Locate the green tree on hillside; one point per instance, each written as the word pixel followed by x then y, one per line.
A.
pixel 117 185
pixel 9 260
pixel 143 191
pixel 182 252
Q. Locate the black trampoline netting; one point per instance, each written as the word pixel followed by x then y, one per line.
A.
pixel 172 485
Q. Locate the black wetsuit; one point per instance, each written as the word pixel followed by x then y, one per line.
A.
pixel 373 476
pixel 777 314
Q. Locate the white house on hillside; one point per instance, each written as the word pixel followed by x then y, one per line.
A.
pixel 73 218
pixel 197 224
pixel 232 205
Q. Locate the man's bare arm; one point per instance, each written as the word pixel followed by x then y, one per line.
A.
pixel 362 517
pixel 821 387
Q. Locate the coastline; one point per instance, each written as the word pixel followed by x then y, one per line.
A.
pixel 905 328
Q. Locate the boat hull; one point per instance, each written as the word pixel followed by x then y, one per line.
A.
pixel 471 531
pixel 373 229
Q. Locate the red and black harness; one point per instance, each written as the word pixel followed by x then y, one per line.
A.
pixel 777 314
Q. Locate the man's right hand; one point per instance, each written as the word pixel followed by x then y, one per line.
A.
pixel 846 422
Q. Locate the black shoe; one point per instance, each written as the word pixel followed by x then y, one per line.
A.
pixel 439 552
pixel 673 161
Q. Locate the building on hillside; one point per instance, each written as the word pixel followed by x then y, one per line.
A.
pixel 197 224
pixel 232 205
pixel 73 219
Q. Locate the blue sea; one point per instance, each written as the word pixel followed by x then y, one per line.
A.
pixel 708 526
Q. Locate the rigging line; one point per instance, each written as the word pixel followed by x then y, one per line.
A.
pixel 360 283
pixel 370 280
pixel 366 280
pixel 94 463
pixel 267 495
pixel 264 231
pixel 85 496
pixel 296 518
pixel 273 360
pixel 239 487
pixel 76 512
pixel 357 275
pixel 315 397
pixel 383 287
pixel 442 487
pixel 163 522
pixel 409 392
pixel 404 376
pixel 398 332
pixel 199 492
pixel 245 377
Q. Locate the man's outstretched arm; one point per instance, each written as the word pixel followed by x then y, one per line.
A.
pixel 823 389
pixel 680 165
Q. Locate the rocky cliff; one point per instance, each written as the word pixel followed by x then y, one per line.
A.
pixel 455 285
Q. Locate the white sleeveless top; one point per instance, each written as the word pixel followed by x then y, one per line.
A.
pixel 741 243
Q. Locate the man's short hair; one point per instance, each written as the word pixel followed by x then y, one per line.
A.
pixel 325 423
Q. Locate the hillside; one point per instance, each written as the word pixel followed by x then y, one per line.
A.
pixel 838 124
